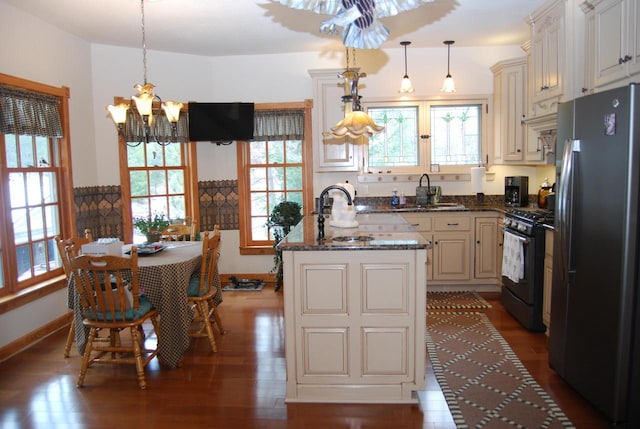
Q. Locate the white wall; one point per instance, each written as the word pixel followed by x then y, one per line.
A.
pixel 34 50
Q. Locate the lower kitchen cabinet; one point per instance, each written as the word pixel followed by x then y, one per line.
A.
pixel 486 260
pixel 547 279
pixel 452 247
pixel 355 325
pixel 464 247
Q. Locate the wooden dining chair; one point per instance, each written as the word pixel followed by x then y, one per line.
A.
pixel 202 289
pixel 178 232
pixel 213 305
pixel 72 244
pixel 117 306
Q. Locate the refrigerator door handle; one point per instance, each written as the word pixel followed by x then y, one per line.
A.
pixel 565 205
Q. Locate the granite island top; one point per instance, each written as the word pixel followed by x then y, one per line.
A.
pixel 387 231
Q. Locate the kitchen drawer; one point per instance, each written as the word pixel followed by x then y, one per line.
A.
pixel 452 223
pixel 422 222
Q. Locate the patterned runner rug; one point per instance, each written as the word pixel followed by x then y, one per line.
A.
pixel 462 300
pixel 483 381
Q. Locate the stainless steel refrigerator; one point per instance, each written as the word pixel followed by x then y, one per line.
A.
pixel 594 338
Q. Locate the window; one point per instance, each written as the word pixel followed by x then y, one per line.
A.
pixel 450 133
pixel 159 176
pixel 34 168
pixel 276 166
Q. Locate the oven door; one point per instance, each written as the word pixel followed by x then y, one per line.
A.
pixel 523 289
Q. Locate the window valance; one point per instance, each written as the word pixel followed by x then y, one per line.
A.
pixel 278 125
pixel 29 113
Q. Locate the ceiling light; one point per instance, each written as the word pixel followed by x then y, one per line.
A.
pixel 357 21
pixel 449 85
pixel 356 123
pixel 405 86
pixel 144 103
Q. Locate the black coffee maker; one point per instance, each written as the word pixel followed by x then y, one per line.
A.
pixel 516 191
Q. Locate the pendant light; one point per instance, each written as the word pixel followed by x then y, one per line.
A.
pixel 144 103
pixel 449 85
pixel 405 86
pixel 356 122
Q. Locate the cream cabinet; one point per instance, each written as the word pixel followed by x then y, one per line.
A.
pixel 452 247
pixel 500 246
pixel 355 325
pixel 486 257
pixel 547 279
pixel 509 107
pixel 546 65
pixel 465 247
pixel 331 154
pixel 423 224
pixel 617 41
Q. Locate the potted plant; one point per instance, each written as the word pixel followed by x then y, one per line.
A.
pixel 283 217
pixel 152 226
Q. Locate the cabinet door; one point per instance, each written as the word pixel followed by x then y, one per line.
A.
pixel 509 108
pixel 547 279
pixel 451 256
pixel 486 264
pixel 611 33
pixel 331 154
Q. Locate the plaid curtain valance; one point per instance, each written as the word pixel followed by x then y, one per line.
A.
pixel 160 127
pixel 29 113
pixel 278 125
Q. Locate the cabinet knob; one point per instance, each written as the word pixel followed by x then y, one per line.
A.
pixel 478 242
pixel 424 136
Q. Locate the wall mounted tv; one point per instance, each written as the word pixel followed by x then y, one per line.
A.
pixel 220 122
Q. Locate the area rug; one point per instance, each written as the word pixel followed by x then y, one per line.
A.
pixel 483 381
pixel 462 300
pixel 244 284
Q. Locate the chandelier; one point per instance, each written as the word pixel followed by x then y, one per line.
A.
pixel 356 123
pixel 144 103
pixel 356 20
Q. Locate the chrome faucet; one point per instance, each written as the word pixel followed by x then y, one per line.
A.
pixel 320 207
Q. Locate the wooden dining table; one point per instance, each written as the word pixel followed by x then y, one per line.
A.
pixel 164 279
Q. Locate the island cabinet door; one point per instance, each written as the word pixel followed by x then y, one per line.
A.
pixel 355 316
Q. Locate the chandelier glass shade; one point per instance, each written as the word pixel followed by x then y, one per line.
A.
pixel 144 104
pixel 356 122
pixel 448 85
pixel 405 85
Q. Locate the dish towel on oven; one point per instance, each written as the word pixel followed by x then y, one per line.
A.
pixel 512 257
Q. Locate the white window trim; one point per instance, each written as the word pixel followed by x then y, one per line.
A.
pixel 424 102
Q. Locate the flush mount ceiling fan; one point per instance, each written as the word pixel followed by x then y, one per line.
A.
pixel 357 21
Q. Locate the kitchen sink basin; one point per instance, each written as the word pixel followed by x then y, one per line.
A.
pixel 430 207
pixel 353 238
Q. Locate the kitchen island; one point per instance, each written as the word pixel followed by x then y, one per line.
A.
pixel 355 311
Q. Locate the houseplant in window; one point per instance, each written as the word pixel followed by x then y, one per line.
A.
pixel 283 217
pixel 151 226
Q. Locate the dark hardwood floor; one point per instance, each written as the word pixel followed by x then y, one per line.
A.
pixel 241 386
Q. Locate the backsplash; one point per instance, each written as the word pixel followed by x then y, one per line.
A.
pixel 99 208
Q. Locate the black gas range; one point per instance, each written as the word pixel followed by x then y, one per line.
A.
pixel 523 264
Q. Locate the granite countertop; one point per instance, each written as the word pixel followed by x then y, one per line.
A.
pixel 388 231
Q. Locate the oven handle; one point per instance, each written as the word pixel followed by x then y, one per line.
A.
pixel 519 237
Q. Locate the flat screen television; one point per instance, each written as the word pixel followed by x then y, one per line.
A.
pixel 220 122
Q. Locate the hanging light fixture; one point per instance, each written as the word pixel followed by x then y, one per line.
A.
pixel 356 122
pixel 144 102
pixel 405 86
pixel 449 85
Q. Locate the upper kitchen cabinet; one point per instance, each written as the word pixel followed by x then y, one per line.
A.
pixel 617 42
pixel 330 154
pixel 509 106
pixel 546 66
